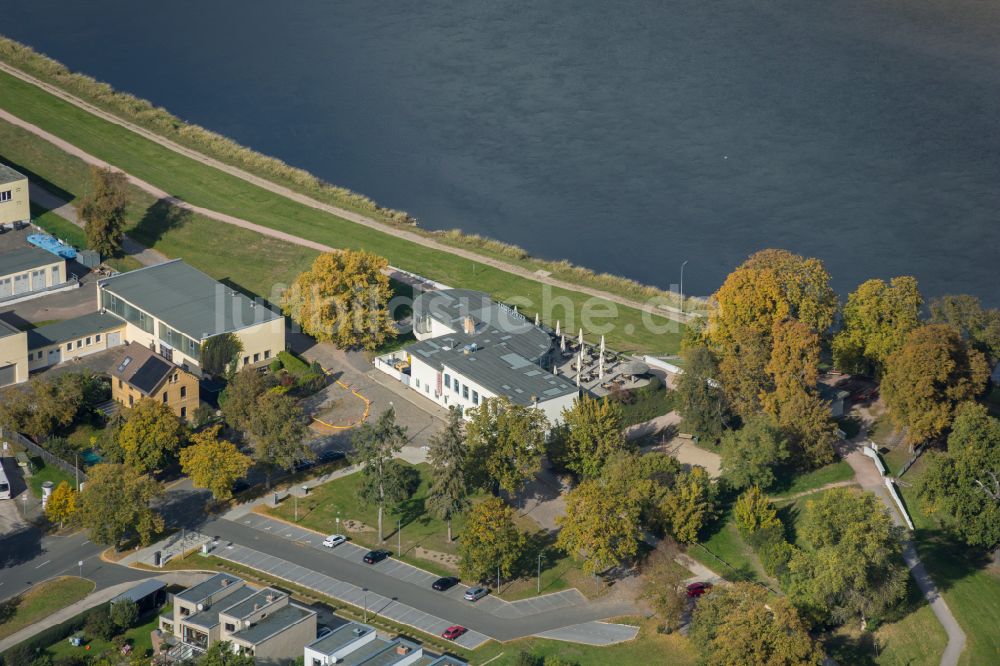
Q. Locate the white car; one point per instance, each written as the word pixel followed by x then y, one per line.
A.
pixel 334 540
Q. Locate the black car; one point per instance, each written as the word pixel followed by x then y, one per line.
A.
pixel 442 584
pixel 330 455
pixel 375 556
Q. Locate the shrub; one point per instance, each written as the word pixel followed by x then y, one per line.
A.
pixel 526 659
pixel 275 366
pixel 100 624
pixel 752 512
pixel 124 614
pixel 773 550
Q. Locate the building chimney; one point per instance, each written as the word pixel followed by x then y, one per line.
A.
pixel 469 325
pixel 225 582
pixel 402 649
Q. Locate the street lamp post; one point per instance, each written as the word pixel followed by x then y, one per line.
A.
pixel 539 590
pixel 80 564
pixel 399 537
pixel 366 603
pixel 683 264
pixel 296 507
pixel 498 580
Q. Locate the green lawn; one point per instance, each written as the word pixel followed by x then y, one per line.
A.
pixel 138 637
pixel 738 561
pixel 44 473
pixel 213 189
pixel 41 601
pixel 802 483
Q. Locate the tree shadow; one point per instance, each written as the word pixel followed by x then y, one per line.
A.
pixel 159 219
pixel 20 547
pixel 946 558
pixel 39 180
pixel 857 651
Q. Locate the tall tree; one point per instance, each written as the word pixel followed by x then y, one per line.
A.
pixel 505 443
pixel 43 406
pixel 689 504
pixel 877 318
pixel 150 435
pixel 449 491
pixel 103 210
pixel 61 505
pixel 214 463
pixel 962 487
pixel 220 355
pixel 664 581
pixel 699 395
pixel 277 432
pixel 751 454
pixel 852 563
pixel 601 527
pixel 753 512
pixel 741 624
pixel 383 482
pixel 491 541
pixel 239 400
pixel 344 299
pixel 124 613
pixel 928 376
pixel 979 326
pixel 115 505
pixel 593 432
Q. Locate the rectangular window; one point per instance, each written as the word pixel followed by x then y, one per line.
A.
pixel 164 396
pixel 131 400
pixel 267 354
pixel 5 195
pixel 185 612
pixel 475 397
pixel 130 314
pixel 184 412
pixel 465 391
pixel 119 383
pixel 184 391
pixel 69 346
pixel 55 275
pixel 230 627
pixel 447 380
pixel 246 360
pixel 79 343
pixel 256 357
pixel 97 338
pixel 417 381
pixel 88 342
pixel 456 387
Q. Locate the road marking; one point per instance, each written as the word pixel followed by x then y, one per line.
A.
pixel 43 564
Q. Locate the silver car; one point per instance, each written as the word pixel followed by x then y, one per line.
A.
pixel 476 593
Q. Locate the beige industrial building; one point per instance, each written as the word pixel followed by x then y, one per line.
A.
pixel 14 204
pixel 73 338
pixel 174 308
pixel 13 355
pixel 29 271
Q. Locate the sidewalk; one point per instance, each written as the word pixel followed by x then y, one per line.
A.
pixel 106 594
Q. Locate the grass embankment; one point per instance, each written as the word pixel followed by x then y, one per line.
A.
pixel 143 114
pixel 421 532
pixel 209 187
pixel 810 481
pixel 41 601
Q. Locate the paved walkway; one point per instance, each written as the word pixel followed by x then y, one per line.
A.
pixel 411 236
pixel 593 633
pixel 867 475
pixel 186 578
pixel 681 448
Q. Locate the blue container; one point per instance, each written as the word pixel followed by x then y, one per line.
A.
pixel 53 245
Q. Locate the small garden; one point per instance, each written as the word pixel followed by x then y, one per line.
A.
pixel 295 376
pixel 644 403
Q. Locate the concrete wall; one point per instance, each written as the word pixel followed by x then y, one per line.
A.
pixel 262 342
pixel 44 357
pixel 286 647
pixel 14 352
pixel 17 208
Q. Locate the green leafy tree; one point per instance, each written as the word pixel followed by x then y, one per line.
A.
pixel 852 563
pixel 646 480
pixel 593 432
pixel 277 432
pixel 100 624
pixel 221 653
pixel 115 505
pixel 43 406
pixel 928 377
pixel 961 488
pixel 214 463
pixel 741 624
pixel 344 299
pixel 150 435
pixel 751 454
pixel 979 326
pixel 505 444
pixel 220 355
pixel 753 512
pixel 602 527
pixel 103 210
pixel 449 491
pixel 699 396
pixel 383 482
pixel 664 584
pixel 61 505
pixel 689 505
pixel 490 541
pixel 124 614
pixel 239 400
pixel 877 318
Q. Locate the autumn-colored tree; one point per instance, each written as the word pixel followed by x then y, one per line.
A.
pixel 594 432
pixel 43 406
pixel 877 318
pixel 689 504
pixel 753 512
pixel 115 505
pixel 449 491
pixel 103 210
pixel 383 482
pixel 980 327
pixel 61 505
pixel 490 541
pixel 663 584
pixel 742 624
pixel 150 435
pixel 751 454
pixel 277 432
pixel 699 398
pixel 961 488
pixel 505 444
pixel 344 299
pixel 602 527
pixel 220 355
pixel 928 376
pixel 239 399
pixel 214 463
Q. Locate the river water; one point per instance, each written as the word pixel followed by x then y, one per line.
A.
pixel 626 136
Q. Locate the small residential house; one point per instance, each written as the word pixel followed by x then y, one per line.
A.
pixel 138 372
pixel 261 622
pixel 27 272
pixel 13 355
pixel 73 338
pixel 14 203
pixel 175 308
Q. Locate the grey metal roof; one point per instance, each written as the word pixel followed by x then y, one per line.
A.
pixel 205 619
pixel 244 607
pixel 26 258
pixel 273 624
pixel 187 300
pixel 386 656
pixel 448 660
pixel 7 330
pixel 343 635
pixel 9 175
pixel 205 589
pixel 140 591
pixel 72 329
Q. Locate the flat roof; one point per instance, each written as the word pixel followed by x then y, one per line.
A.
pixel 274 623
pixel 72 329
pixel 7 330
pixel 187 300
pixel 386 656
pixel 140 591
pixel 9 175
pixel 205 589
pixel 244 607
pixel 343 635
pixel 26 258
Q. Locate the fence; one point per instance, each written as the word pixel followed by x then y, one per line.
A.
pixel 35 450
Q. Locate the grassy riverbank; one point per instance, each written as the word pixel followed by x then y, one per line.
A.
pixel 209 187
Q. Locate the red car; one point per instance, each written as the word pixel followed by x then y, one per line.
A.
pixel 453 632
pixel 698 589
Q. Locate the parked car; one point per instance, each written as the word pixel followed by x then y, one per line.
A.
pixel 476 593
pixel 334 540
pixel 376 556
pixel 442 584
pixel 453 632
pixel 330 455
pixel 698 589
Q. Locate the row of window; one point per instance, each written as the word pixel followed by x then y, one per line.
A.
pixel 257 357
pixel 132 315
pixel 458 389
pixel 70 346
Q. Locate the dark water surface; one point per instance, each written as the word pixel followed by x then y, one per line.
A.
pixel 624 136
